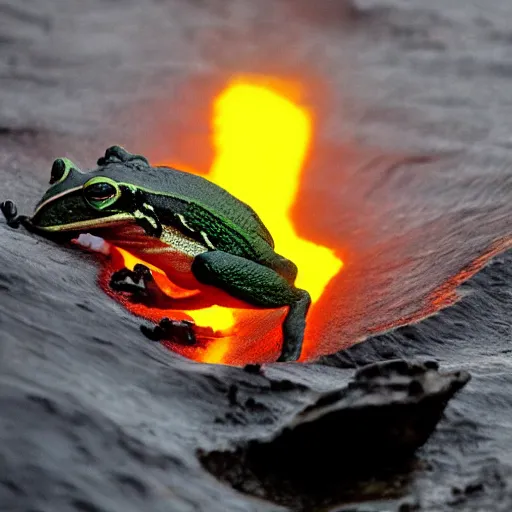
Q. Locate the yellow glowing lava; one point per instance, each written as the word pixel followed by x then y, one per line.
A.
pixel 261 141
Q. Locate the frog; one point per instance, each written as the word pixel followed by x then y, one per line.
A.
pixel 199 234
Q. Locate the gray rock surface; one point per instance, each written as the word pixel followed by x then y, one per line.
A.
pixel 93 418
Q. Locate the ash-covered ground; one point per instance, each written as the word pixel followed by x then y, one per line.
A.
pixel 95 418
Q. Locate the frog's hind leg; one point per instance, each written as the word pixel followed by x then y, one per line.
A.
pixel 260 286
pixel 286 268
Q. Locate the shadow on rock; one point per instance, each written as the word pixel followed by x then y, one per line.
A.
pixel 354 443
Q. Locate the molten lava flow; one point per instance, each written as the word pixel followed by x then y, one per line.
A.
pixel 261 140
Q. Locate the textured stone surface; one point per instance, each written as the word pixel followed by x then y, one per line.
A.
pixel 96 419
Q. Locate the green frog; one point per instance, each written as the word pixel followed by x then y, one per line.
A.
pixel 196 232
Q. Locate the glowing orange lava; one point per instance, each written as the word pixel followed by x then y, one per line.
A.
pixel 261 139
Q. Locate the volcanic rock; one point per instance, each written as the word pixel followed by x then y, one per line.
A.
pixel 348 437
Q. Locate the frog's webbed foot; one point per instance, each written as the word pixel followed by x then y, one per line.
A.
pixel 10 212
pixel 176 331
pixel 117 154
pixel 139 283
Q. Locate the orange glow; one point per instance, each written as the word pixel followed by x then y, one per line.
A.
pixel 261 136
pixel 216 317
pixel 216 331
pixel 446 295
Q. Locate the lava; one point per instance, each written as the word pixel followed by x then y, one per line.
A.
pixel 261 140
pixel 261 136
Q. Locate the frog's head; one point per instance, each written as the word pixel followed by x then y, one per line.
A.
pixel 78 201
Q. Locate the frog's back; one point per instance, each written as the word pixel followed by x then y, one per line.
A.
pixel 167 180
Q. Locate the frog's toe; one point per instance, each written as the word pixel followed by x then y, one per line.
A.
pixel 10 212
pixel 176 331
pixel 117 154
pixel 141 287
pixel 142 272
pixel 130 281
pixel 152 333
pixel 112 154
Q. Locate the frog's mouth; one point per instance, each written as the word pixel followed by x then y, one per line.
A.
pixel 50 227
pixel 82 239
pixel 126 235
pixel 91 235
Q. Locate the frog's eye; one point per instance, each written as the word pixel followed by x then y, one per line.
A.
pixel 60 171
pixel 101 193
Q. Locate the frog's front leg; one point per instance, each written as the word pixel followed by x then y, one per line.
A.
pixel 260 286
pixel 140 285
pixel 10 212
pixel 131 281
